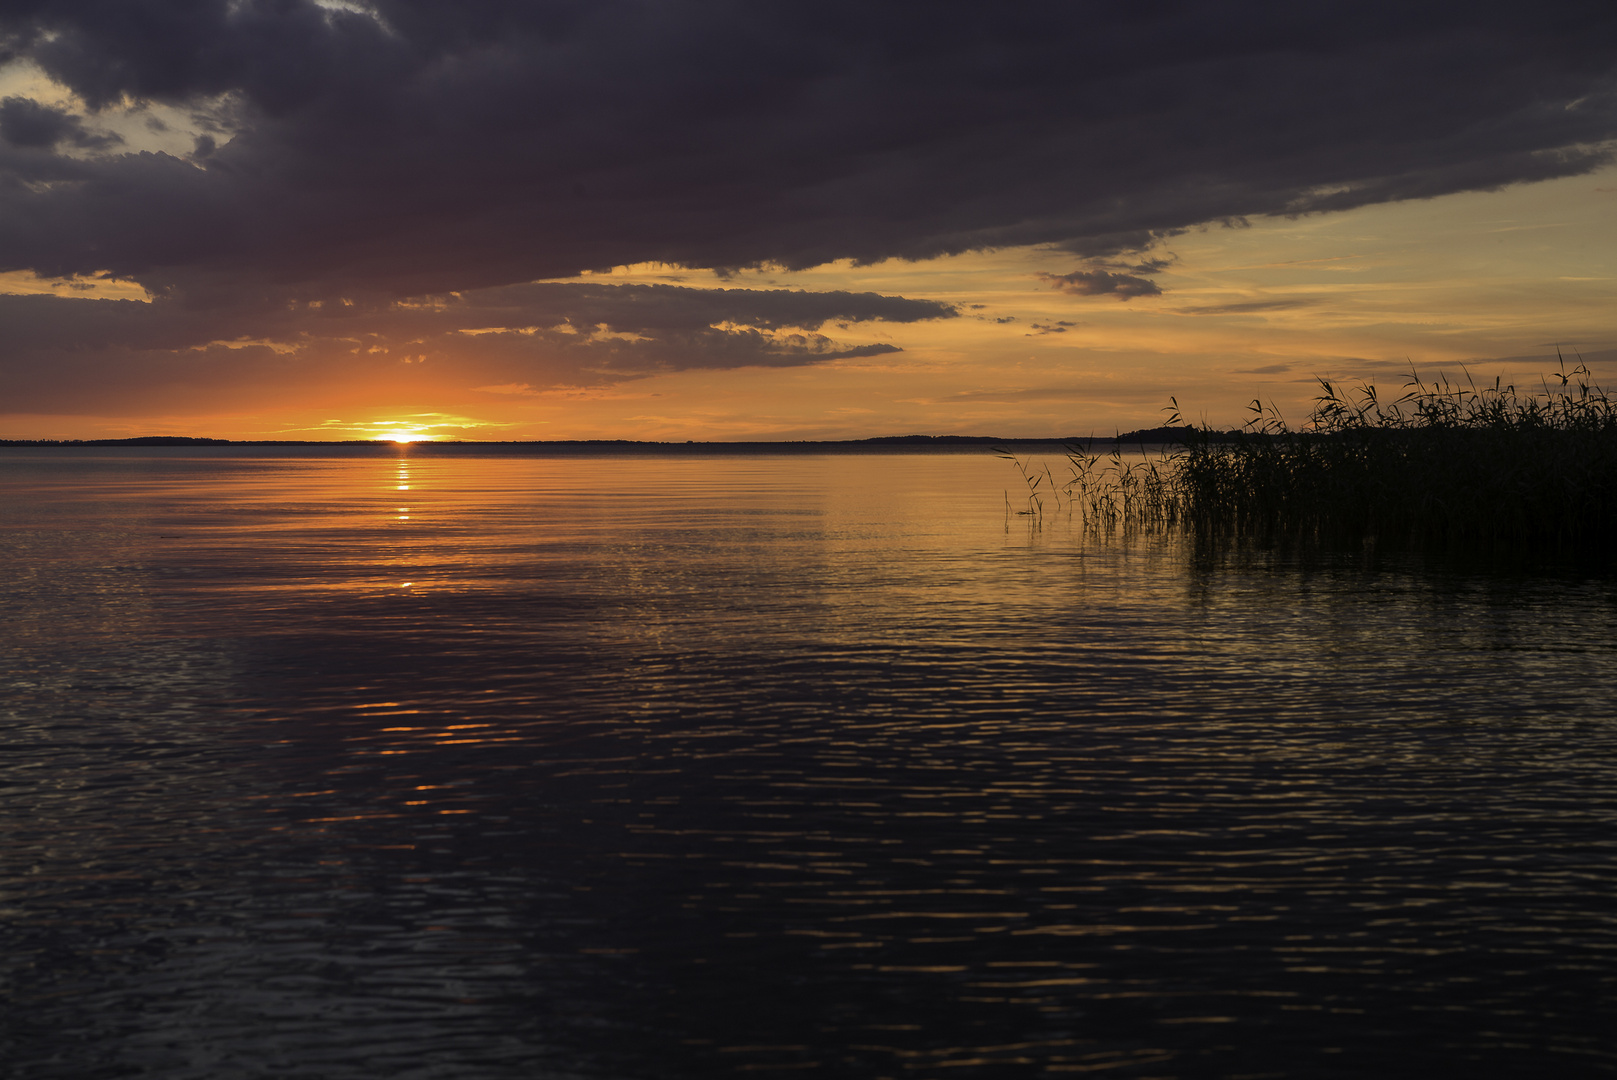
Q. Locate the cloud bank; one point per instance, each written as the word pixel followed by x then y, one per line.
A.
pixel 74 355
pixel 414 147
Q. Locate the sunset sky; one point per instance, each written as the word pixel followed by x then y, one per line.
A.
pixel 671 219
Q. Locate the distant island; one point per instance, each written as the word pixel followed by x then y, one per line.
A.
pixel 1157 436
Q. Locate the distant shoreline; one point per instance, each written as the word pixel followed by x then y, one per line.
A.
pixel 895 444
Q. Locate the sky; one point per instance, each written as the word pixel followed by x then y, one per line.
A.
pixel 715 220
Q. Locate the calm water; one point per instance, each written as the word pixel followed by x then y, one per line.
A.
pixel 653 767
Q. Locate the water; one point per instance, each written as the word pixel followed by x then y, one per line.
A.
pixel 454 766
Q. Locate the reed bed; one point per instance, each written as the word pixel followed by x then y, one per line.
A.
pixel 1445 468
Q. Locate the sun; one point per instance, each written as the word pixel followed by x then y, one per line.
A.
pixel 402 430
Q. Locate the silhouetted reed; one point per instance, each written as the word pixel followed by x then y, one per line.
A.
pixel 1107 494
pixel 1445 468
pixel 1449 469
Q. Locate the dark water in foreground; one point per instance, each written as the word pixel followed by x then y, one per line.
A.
pixel 331 768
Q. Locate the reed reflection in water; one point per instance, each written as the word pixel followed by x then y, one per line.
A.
pixel 470 766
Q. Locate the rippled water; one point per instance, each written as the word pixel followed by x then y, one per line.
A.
pixel 440 766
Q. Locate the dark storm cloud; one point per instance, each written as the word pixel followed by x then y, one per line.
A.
pixel 77 355
pixel 27 123
pixel 418 147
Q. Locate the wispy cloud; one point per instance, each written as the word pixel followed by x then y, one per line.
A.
pixel 1103 283
pixel 1245 307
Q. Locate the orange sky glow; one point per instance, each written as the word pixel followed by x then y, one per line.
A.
pixel 1493 281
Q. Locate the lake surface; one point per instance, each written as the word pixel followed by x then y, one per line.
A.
pixel 477 766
